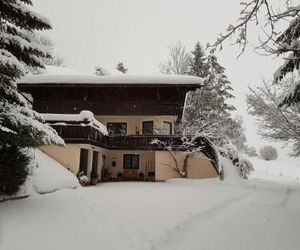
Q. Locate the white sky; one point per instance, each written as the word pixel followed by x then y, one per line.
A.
pixel 136 32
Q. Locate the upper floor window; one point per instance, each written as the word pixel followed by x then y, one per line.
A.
pixel 148 128
pixel 167 128
pixel 117 128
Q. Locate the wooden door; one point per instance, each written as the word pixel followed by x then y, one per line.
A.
pixel 130 166
pixel 95 162
pixel 84 155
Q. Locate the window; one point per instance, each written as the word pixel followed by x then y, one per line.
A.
pixel 148 128
pixel 131 161
pixel 117 128
pixel 167 128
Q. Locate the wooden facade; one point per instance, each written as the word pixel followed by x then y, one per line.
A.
pixel 113 99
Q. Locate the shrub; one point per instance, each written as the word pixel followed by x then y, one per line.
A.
pixel 82 178
pixel 13 169
pixel 244 166
pixel 251 152
pixel 268 153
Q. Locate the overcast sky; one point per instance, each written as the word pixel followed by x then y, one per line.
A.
pixel 136 32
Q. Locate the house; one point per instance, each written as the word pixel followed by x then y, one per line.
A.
pixel 109 123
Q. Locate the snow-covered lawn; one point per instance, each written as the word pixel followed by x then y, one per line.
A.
pixel 178 214
pixel 278 170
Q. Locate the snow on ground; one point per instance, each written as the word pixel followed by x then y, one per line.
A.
pixel 177 214
pixel 280 170
pixel 49 176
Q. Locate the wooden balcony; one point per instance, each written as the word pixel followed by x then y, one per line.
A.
pixel 79 133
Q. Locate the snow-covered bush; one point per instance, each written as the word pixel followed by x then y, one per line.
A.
pixel 251 151
pixel 268 153
pixel 13 173
pixel 244 166
pixel 82 178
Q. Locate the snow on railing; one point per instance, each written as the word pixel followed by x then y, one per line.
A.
pixel 85 117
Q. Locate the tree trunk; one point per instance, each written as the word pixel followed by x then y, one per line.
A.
pixel 185 166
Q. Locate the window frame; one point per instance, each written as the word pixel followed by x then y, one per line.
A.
pixel 113 123
pixel 171 127
pixel 148 121
pixel 131 156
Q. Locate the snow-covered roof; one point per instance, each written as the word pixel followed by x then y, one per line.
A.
pixel 63 75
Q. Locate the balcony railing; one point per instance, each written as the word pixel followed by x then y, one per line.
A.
pixel 78 133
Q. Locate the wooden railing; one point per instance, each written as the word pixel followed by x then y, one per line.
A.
pixel 86 134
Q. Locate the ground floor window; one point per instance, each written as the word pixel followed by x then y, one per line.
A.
pixel 131 161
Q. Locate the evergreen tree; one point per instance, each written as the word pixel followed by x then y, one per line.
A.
pixel 206 111
pixel 13 173
pixel 122 68
pixel 219 82
pixel 198 65
pixel 20 126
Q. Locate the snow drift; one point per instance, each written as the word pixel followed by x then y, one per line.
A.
pixel 50 176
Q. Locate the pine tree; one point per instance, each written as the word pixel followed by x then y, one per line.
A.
pixel 122 68
pixel 198 63
pixel 219 82
pixel 206 111
pixel 20 126
pixel 290 43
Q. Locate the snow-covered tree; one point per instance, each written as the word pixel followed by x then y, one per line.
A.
pixel 206 111
pixel 48 46
pixel 251 152
pixel 268 153
pixel 13 169
pixel 237 134
pixel 217 77
pixel 268 16
pixel 20 126
pixel 178 62
pixel 244 166
pixel 280 124
pixel 121 68
pixel 190 147
pixel 198 62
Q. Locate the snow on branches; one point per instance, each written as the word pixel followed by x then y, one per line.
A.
pixel 280 124
pixel 269 17
pixel 20 125
pixel 189 148
pixel 244 166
